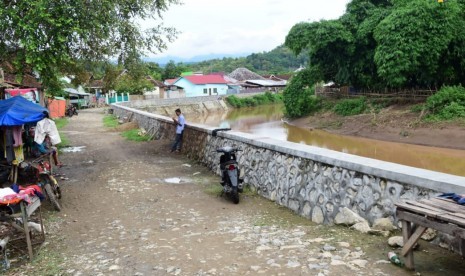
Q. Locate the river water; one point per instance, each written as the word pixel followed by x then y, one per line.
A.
pixel 266 121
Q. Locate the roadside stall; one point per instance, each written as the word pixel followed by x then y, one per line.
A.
pixel 77 98
pixel 17 203
pixel 57 107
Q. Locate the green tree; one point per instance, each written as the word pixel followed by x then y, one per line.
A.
pixel 154 70
pixel 112 72
pixel 128 84
pixel 47 36
pixel 379 44
pixel 414 41
pixel 173 70
pixel 329 44
pixel 298 96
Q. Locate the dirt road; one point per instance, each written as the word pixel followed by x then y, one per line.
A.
pixel 121 217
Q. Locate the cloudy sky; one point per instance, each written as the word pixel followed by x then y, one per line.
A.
pixel 240 26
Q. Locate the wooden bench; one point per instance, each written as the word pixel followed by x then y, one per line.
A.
pixel 443 215
pixel 26 211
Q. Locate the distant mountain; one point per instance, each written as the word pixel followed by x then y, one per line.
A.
pixel 280 60
pixel 164 60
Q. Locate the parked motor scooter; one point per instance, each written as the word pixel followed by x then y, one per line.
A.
pixel 40 170
pixel 71 110
pixel 231 181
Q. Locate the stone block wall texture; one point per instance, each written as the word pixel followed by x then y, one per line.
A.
pixel 313 182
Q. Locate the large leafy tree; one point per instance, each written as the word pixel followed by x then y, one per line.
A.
pixel 173 70
pixel 380 44
pixel 47 36
pixel 420 44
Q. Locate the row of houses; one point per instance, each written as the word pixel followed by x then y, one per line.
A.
pixel 188 84
pixel 240 80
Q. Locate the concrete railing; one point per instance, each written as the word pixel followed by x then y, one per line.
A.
pixel 314 182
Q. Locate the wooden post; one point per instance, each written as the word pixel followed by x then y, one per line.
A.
pixel 15 173
pixel 26 229
pixel 406 231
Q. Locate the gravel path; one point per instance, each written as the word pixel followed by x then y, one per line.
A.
pixel 121 217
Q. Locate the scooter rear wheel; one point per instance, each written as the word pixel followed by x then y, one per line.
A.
pixel 235 196
pixel 51 196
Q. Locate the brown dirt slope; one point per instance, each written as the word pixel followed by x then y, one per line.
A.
pixel 395 124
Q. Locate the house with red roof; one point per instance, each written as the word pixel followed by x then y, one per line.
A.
pixel 202 85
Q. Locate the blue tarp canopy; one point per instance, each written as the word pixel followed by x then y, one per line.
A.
pixel 17 111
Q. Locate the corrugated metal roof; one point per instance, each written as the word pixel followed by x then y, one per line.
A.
pixel 75 92
pixel 267 82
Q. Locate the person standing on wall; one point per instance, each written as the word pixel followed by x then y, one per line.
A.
pixel 180 123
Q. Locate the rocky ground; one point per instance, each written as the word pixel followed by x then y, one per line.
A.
pixel 124 213
pixel 396 124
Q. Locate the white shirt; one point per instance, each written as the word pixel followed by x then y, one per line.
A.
pixel 46 127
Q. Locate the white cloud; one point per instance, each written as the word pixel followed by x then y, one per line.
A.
pixel 240 26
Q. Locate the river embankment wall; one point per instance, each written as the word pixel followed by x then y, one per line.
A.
pixel 307 179
pixel 314 182
pixel 192 106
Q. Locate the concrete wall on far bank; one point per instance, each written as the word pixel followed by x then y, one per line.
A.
pixel 314 182
pixel 194 106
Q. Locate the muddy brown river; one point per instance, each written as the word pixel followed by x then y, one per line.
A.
pixel 267 121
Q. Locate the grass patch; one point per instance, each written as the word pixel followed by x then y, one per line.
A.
pixel 61 122
pixel 110 121
pixel 47 262
pixel 214 189
pixel 64 142
pixel 133 135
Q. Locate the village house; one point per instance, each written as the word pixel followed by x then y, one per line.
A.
pixel 202 85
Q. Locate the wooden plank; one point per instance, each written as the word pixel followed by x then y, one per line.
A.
pixel 447 204
pixel 413 240
pixel 35 203
pixel 419 210
pixel 447 228
pixel 442 215
pixel 453 219
pixel 426 207
pixel 450 211
pixel 458 218
pixel 406 230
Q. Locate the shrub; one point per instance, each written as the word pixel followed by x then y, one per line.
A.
pixel 351 107
pixel 417 108
pixel 233 101
pixel 447 104
pixel 445 97
pixel 299 95
pixel 267 98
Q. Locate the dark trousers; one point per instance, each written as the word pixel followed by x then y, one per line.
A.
pixel 177 142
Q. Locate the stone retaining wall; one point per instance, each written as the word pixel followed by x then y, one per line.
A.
pixel 152 103
pixel 314 182
pixel 171 102
pixel 195 106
